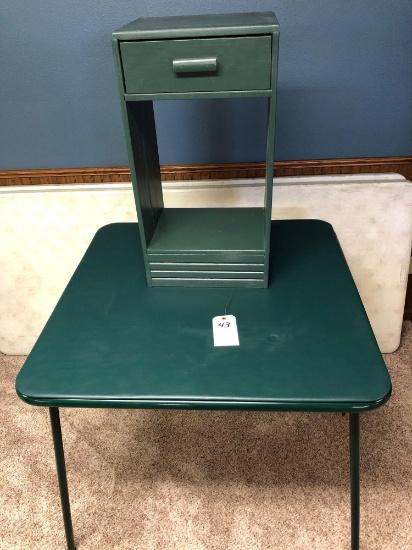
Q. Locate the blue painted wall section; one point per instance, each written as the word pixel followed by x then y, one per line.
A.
pixel 345 85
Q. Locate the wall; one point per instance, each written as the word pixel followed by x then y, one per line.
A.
pixel 345 82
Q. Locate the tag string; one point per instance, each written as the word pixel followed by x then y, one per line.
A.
pixel 230 301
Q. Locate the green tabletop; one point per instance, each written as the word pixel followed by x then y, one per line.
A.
pixel 305 342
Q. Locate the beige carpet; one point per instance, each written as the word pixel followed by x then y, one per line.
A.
pixel 207 480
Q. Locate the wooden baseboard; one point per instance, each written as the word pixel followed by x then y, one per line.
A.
pixel 400 165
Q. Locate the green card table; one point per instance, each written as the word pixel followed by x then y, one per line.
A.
pixel 114 342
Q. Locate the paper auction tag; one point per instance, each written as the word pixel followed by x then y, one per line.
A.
pixel 225 331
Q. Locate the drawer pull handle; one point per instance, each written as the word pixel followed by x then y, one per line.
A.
pixel 204 65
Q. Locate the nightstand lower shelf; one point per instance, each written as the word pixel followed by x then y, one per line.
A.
pixel 208 247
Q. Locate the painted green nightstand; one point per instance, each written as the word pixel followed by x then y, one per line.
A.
pixel 205 56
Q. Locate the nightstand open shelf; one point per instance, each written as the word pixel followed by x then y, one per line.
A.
pixel 207 56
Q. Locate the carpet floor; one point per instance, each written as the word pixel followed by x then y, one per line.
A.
pixel 200 480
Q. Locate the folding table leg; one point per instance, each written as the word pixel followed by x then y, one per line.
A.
pixel 354 478
pixel 61 474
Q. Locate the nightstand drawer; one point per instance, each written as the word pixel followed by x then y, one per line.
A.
pixel 198 65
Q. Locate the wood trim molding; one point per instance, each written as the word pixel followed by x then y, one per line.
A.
pixel 195 172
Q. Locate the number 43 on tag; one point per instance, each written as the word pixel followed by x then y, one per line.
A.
pixel 225 331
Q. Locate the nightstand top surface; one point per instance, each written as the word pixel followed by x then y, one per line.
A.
pixel 227 24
